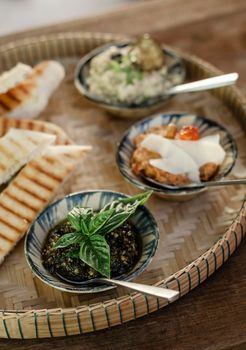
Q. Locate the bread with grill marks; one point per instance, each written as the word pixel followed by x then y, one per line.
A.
pixel 18 147
pixel 29 97
pixel 32 189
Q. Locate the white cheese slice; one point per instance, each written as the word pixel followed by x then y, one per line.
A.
pixel 184 157
pixel 174 159
pixel 205 150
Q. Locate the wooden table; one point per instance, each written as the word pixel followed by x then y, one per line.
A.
pixel 213 316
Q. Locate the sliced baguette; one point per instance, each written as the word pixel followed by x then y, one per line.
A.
pixel 18 147
pixel 28 98
pixel 32 189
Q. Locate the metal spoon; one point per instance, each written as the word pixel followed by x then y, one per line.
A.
pixel 198 185
pixel 204 84
pixel 159 292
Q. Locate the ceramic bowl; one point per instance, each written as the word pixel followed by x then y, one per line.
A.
pixel 142 219
pixel 123 110
pixel 206 127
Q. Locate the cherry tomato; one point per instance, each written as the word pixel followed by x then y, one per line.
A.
pixel 189 133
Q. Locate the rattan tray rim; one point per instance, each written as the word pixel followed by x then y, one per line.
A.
pixel 134 304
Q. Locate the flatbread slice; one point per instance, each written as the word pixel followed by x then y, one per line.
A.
pixel 35 125
pixel 32 189
pixel 14 76
pixel 18 147
pixel 29 97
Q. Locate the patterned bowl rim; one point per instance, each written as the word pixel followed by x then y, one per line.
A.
pixel 103 288
pixel 81 85
pixel 160 190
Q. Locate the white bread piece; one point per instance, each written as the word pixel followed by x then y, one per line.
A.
pixel 32 189
pixel 14 76
pixel 18 147
pixel 35 125
pixel 30 97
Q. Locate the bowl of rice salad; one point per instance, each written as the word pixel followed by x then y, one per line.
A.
pixel 128 79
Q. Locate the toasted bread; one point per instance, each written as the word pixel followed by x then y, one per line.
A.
pixel 32 189
pixel 29 97
pixel 35 125
pixel 18 147
pixel 14 76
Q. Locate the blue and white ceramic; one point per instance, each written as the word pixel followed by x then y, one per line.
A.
pixel 142 219
pixel 206 127
pixel 121 110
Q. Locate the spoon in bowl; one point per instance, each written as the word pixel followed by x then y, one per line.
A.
pixel 197 185
pixel 199 85
pixel 204 84
pixel 159 292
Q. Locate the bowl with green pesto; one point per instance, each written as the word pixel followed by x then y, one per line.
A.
pixel 92 234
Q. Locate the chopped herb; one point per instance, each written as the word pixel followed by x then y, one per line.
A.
pixel 125 66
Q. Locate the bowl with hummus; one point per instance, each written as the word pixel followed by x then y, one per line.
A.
pixel 168 152
pixel 128 79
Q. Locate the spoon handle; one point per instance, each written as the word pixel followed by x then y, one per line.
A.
pixel 159 292
pixel 204 84
pixel 211 183
pixel 217 183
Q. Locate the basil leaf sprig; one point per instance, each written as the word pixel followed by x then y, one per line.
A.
pixel 90 229
pixel 123 209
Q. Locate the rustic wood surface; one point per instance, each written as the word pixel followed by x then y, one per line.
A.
pixel 212 316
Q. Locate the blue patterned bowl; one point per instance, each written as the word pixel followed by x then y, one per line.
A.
pixel 142 219
pixel 206 127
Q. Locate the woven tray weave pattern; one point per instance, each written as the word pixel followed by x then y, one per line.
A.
pixel 197 237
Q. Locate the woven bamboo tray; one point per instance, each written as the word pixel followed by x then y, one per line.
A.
pixel 196 237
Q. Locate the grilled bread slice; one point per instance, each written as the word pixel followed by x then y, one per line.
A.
pixel 32 189
pixel 14 76
pixel 35 125
pixel 18 147
pixel 29 97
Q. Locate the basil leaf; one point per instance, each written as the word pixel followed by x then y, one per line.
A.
pixel 85 217
pixel 73 254
pixel 68 239
pixel 95 252
pixel 80 218
pixel 73 219
pixel 141 197
pixel 99 220
pixel 124 208
pixel 116 221
pixel 121 215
